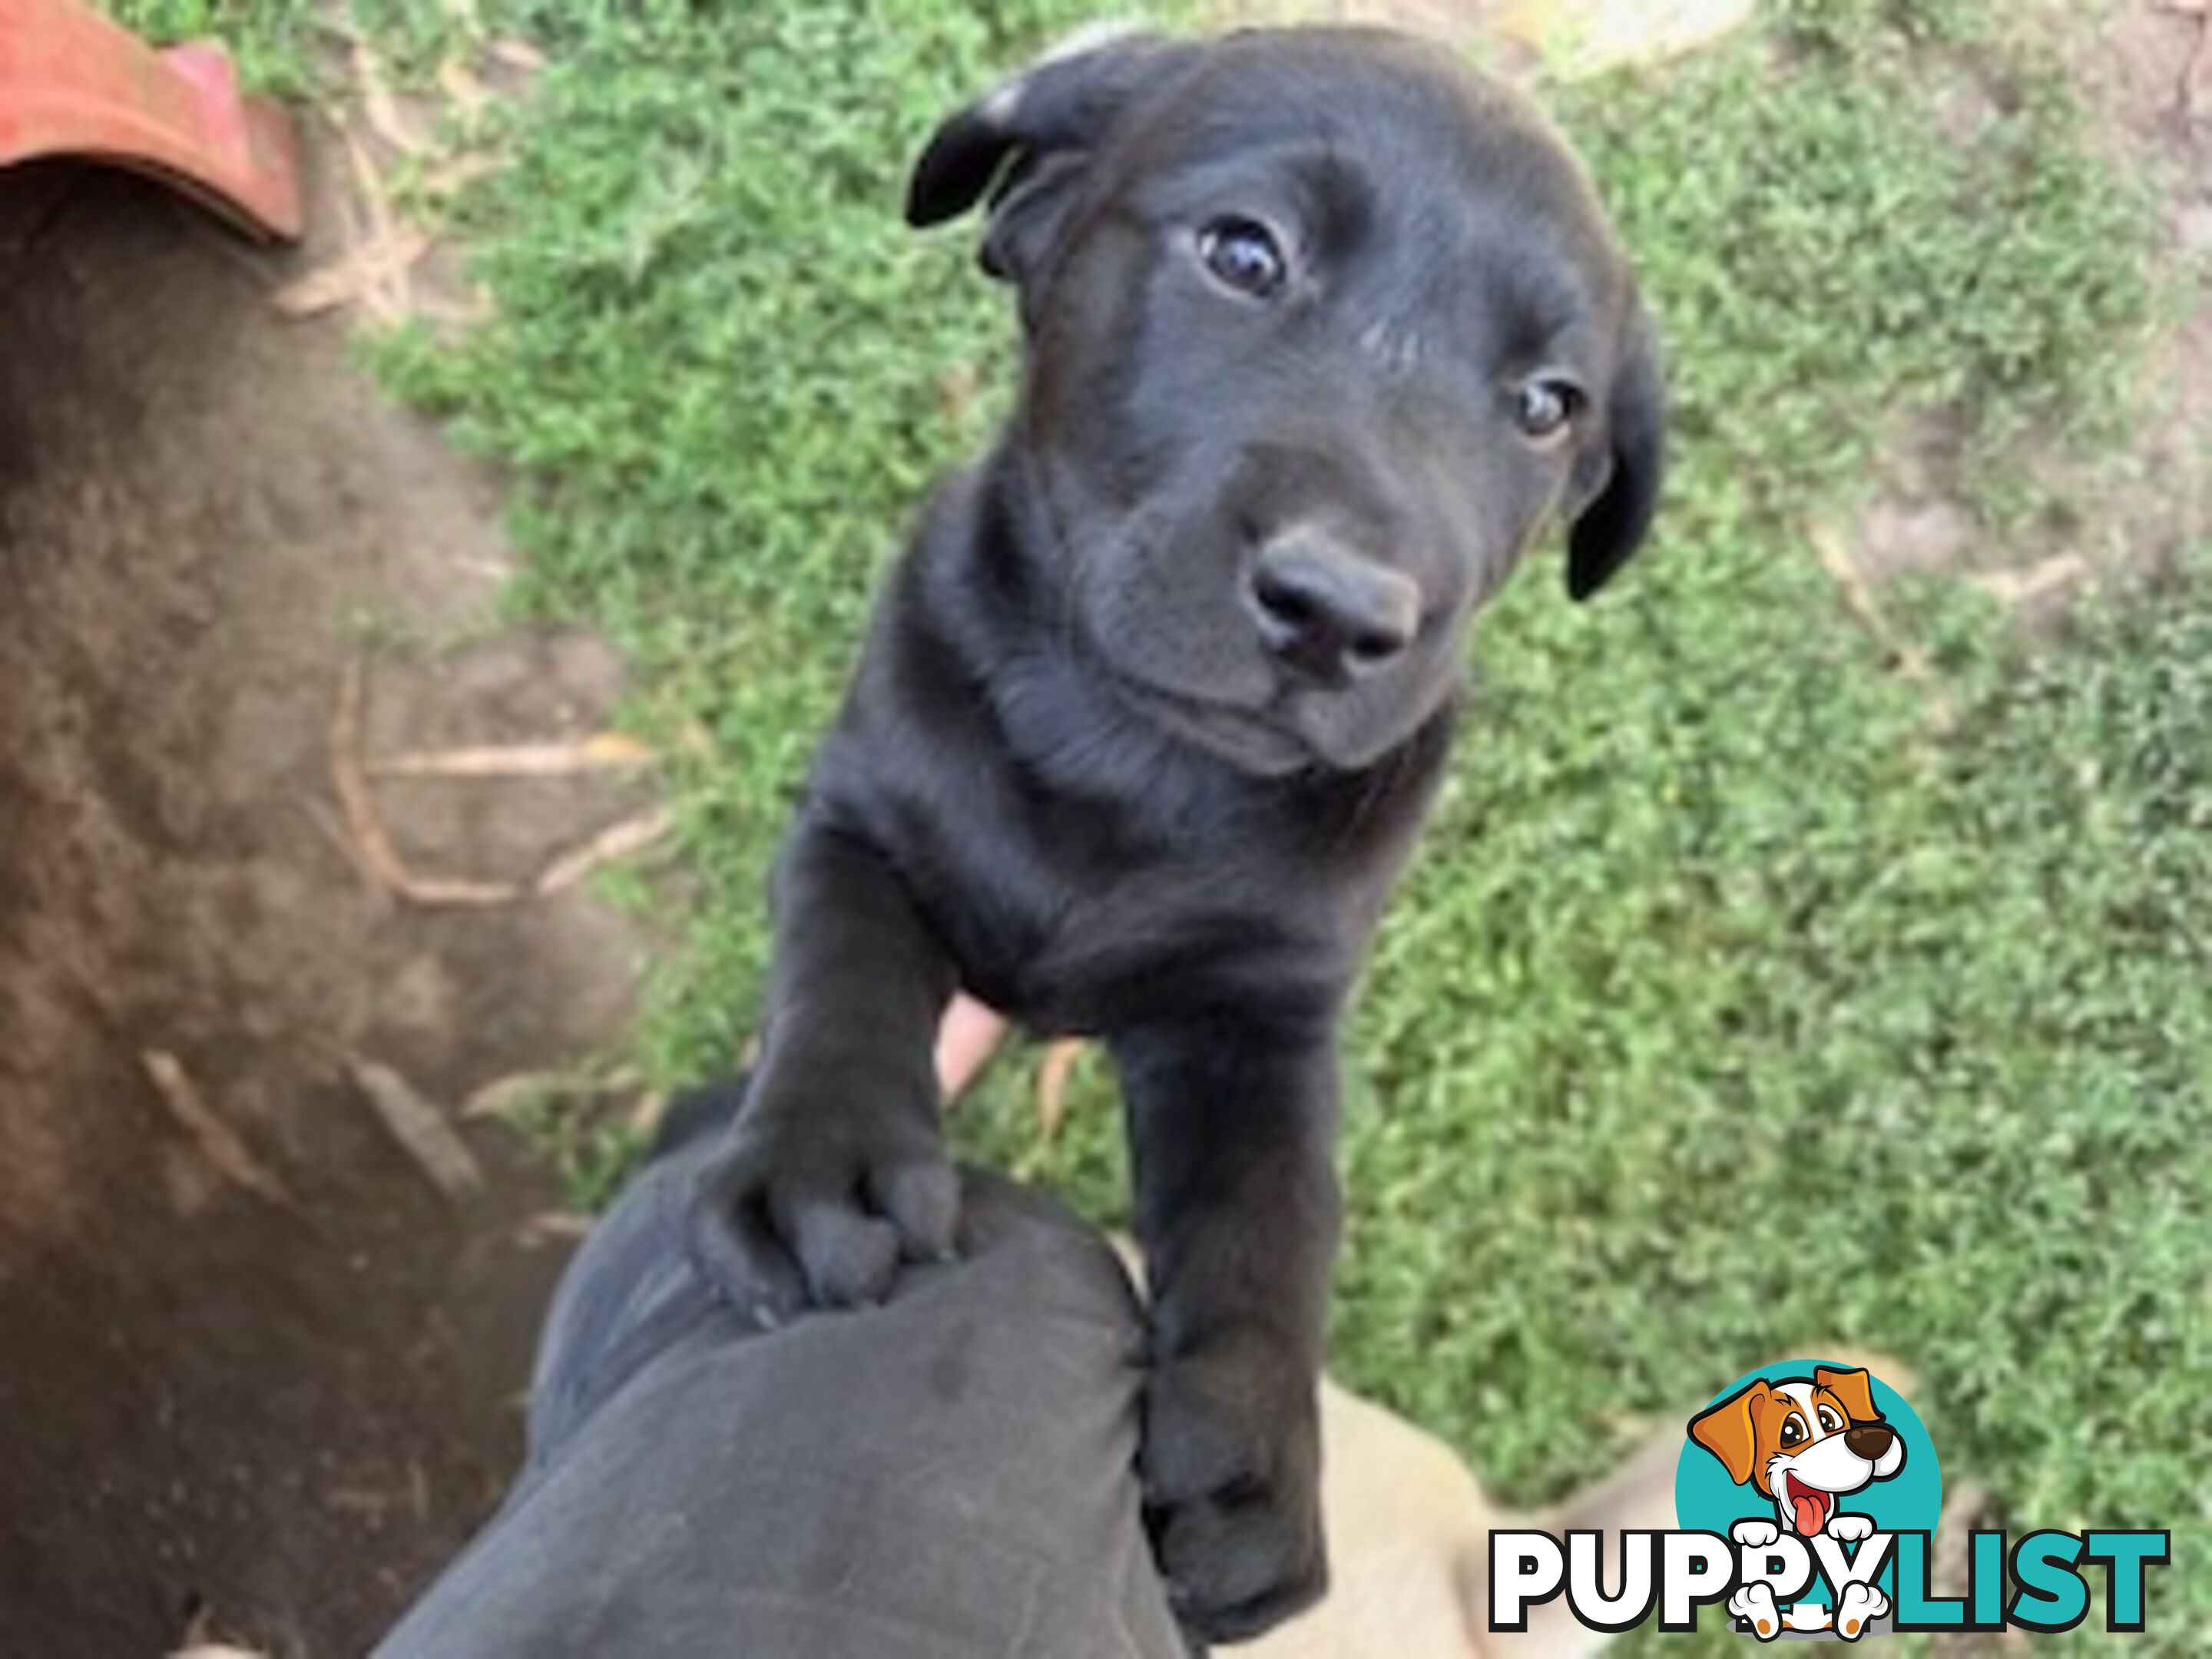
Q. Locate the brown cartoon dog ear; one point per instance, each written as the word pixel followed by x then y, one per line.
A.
pixel 1854 1389
pixel 1726 1431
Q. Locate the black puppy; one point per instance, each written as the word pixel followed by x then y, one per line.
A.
pixel 1323 330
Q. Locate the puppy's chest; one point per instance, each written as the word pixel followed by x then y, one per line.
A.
pixel 1141 941
pixel 1093 909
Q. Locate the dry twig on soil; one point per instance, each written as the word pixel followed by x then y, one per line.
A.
pixel 371 840
pixel 510 1093
pixel 552 1227
pixel 419 1126
pixel 602 751
pixel 1859 593
pixel 217 1139
pixel 2034 582
pixel 351 277
pixel 614 843
pixel 387 295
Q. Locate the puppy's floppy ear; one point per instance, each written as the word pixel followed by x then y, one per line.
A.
pixel 1726 1432
pixel 1620 492
pixel 1025 143
pixel 1853 1389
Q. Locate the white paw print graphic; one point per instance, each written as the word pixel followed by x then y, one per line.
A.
pixel 1849 1529
pixel 1756 1534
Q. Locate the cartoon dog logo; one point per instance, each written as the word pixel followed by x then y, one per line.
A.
pixel 1805 1444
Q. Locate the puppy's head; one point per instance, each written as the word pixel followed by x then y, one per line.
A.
pixel 1324 330
pixel 1801 1443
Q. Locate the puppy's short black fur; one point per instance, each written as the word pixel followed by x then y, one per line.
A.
pixel 1323 330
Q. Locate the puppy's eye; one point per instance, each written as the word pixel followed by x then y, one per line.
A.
pixel 1546 408
pixel 1793 1431
pixel 1830 1422
pixel 1242 254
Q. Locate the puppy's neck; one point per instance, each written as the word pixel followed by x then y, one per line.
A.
pixel 997 570
pixel 992 581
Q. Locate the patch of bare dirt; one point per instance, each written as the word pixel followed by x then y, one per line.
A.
pixel 258 1362
pixel 2145 69
pixel 2154 77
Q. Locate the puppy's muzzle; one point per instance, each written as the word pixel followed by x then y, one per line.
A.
pixel 1327 613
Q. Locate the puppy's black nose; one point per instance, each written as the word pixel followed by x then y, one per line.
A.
pixel 1869 1440
pixel 1328 613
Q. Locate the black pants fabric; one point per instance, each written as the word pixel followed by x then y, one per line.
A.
pixel 947 1476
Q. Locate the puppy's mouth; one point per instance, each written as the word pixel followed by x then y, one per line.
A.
pixel 1809 1505
pixel 1246 738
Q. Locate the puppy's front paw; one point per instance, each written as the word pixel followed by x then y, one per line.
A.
pixel 1231 1476
pixel 1754 1605
pixel 800 1210
pixel 1849 1529
pixel 1755 1534
pixel 1856 1607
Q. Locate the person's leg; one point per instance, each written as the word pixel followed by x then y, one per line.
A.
pixel 950 1474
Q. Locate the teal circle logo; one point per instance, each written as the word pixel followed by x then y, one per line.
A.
pixel 1798 1462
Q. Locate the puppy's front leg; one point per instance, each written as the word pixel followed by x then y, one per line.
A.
pixel 1232 1127
pixel 835 1166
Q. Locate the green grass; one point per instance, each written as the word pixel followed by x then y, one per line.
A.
pixel 1736 1004
pixel 726 376
pixel 270 41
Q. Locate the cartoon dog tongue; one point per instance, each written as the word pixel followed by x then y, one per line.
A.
pixel 1811 1506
